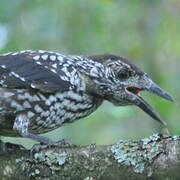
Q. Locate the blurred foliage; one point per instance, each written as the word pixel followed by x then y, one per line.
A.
pixel 147 32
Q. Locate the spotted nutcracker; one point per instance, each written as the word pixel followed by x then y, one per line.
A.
pixel 43 90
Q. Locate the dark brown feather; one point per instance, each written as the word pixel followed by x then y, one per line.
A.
pixel 102 58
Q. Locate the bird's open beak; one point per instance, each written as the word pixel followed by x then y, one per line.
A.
pixel 140 102
pixel 154 88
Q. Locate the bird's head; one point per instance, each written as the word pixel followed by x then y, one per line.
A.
pixel 123 81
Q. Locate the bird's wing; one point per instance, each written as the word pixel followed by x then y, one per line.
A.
pixel 33 69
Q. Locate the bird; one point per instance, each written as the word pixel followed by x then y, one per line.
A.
pixel 43 90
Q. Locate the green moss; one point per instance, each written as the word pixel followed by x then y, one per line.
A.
pixel 35 173
pixel 135 154
pixel 51 158
pixel 88 178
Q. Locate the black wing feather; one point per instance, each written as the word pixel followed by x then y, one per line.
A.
pixel 21 71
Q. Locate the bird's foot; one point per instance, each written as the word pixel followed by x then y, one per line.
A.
pixel 41 146
pixel 62 142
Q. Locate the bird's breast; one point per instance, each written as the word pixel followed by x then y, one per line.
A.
pixel 63 108
pixel 48 111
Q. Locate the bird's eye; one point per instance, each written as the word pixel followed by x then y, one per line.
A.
pixel 123 74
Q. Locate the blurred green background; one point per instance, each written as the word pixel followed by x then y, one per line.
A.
pixel 147 32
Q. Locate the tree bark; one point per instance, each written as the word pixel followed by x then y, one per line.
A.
pixel 156 157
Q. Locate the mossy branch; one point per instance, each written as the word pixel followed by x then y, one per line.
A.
pixel 155 157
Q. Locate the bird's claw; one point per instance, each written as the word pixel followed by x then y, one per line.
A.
pixel 38 147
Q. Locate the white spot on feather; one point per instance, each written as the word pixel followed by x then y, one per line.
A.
pixel 38 63
pixel 15 53
pixel 57 105
pixel 17 76
pixel 52 57
pixel 16 105
pixel 54 71
pixel 41 51
pixel 54 65
pixel 27 96
pixel 20 97
pixel 64 78
pixel 46 113
pixel 42 97
pixel 8 94
pixel 30 114
pixel 14 74
pixel 66 102
pixel 36 57
pixel 22 79
pixel 3 66
pixel 94 72
pixel 32 85
pixel 38 109
pixel 44 57
pixel 23 51
pixel 48 102
pixel 35 98
pixel 60 58
pixel 26 104
pixel 52 98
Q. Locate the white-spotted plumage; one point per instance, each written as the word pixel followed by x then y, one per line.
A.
pixel 67 68
pixel 47 87
pixel 42 90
